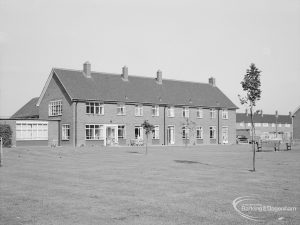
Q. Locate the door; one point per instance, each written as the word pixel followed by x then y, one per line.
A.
pixel 171 135
pixel 111 135
pixel 225 135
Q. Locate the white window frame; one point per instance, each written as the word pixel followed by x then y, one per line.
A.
pixel 94 108
pixel 212 132
pixel 121 109
pixel 171 111
pixel 273 124
pixel 31 130
pixel 225 114
pixel 199 113
pixel 185 112
pixel 257 124
pixel 140 132
pixel 287 125
pixel 122 127
pixel 265 124
pixel 156 132
pixel 212 113
pixel 200 130
pixel 138 110
pixel 94 128
pixel 185 132
pixel 65 132
pixel 279 124
pixel 249 124
pixel 55 108
pixel 155 110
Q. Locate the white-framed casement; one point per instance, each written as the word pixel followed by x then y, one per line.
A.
pixel 55 108
pixel 155 132
pixel 108 133
pixel 171 111
pixel 94 108
pixel 225 114
pixel 65 132
pixel 121 109
pixel 138 110
pixel 185 112
pixel 199 113
pixel 155 110
pixel 121 131
pixel 212 132
pixel 212 113
pixel 265 124
pixel 94 132
pixel 199 132
pixel 185 132
pixel 31 130
pixel 287 125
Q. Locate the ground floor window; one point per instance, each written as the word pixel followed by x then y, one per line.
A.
pixel 65 132
pixel 94 132
pixel 156 132
pixel 138 132
pixel 212 132
pixel 199 133
pixel 185 133
pixel 31 130
pixel 121 131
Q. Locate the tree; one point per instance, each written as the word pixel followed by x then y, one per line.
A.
pixel 251 85
pixel 149 129
pixel 188 127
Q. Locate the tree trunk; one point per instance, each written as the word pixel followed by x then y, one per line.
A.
pixel 147 145
pixel 253 144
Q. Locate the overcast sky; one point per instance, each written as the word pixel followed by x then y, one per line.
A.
pixel 187 40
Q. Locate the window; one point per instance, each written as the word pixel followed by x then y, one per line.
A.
pixel 156 132
pixel 95 108
pixel 257 124
pixel 279 125
pixel 138 110
pixel 155 110
pixel 273 124
pixel 199 133
pixel 199 113
pixel 31 130
pixel 212 132
pixel 265 124
pixel 287 125
pixel 242 124
pixel 121 131
pixel 185 133
pixel 185 112
pixel 65 132
pixel 121 110
pixel 249 124
pixel 212 113
pixel 171 111
pixel 94 132
pixel 55 108
pixel 138 132
pixel 225 114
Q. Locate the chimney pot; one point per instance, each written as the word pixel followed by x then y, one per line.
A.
pixel 125 73
pixel 212 81
pixel 87 69
pixel 159 77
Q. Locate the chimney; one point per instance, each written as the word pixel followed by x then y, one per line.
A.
pixel 124 75
pixel 159 77
pixel 212 81
pixel 87 69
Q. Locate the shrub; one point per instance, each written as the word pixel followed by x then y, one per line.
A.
pixel 6 134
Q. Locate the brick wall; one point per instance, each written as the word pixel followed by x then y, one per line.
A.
pixel 296 125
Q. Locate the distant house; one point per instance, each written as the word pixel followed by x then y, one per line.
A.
pixel 104 109
pixel 267 126
pixel 296 124
pixel 28 111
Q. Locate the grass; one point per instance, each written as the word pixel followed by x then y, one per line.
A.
pixel 170 185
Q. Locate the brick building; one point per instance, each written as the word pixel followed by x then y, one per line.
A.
pixel 296 124
pixel 95 108
pixel 267 126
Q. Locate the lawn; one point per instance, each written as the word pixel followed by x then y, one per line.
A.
pixel 170 185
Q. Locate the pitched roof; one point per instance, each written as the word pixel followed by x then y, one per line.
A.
pixel 110 87
pixel 265 118
pixel 29 110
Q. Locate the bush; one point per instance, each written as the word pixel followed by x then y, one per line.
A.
pixel 6 134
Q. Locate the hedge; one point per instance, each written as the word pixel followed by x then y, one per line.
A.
pixel 6 134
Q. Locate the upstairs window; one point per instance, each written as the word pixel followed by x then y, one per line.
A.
pixel 156 132
pixel 171 111
pixel 121 110
pixel 95 108
pixel 55 108
pixel 185 112
pixel 138 110
pixel 212 113
pixel 155 110
pixel 199 113
pixel 225 114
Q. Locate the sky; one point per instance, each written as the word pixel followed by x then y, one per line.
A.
pixel 188 40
